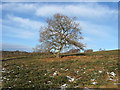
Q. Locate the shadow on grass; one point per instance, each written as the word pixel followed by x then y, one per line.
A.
pixel 13 58
pixel 74 54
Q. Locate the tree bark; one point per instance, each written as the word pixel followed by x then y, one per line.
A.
pixel 58 54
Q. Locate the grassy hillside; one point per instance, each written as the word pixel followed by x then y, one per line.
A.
pixel 92 70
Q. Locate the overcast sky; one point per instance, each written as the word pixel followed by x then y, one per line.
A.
pixel 21 23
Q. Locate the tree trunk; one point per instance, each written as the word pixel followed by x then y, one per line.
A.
pixel 58 54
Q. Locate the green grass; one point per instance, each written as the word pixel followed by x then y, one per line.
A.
pixel 89 70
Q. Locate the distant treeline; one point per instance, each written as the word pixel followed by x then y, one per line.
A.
pixel 13 53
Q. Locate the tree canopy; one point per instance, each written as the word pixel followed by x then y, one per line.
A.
pixel 61 32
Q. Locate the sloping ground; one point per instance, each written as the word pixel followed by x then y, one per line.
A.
pixel 93 70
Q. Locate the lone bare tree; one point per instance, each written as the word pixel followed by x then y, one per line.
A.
pixel 61 32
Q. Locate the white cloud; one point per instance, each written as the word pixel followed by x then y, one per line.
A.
pixel 28 28
pixel 60 0
pixel 24 22
pixel 19 27
pixel 19 7
pixel 97 30
pixel 18 33
pixel 98 35
pixel 85 10
pixel 88 10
